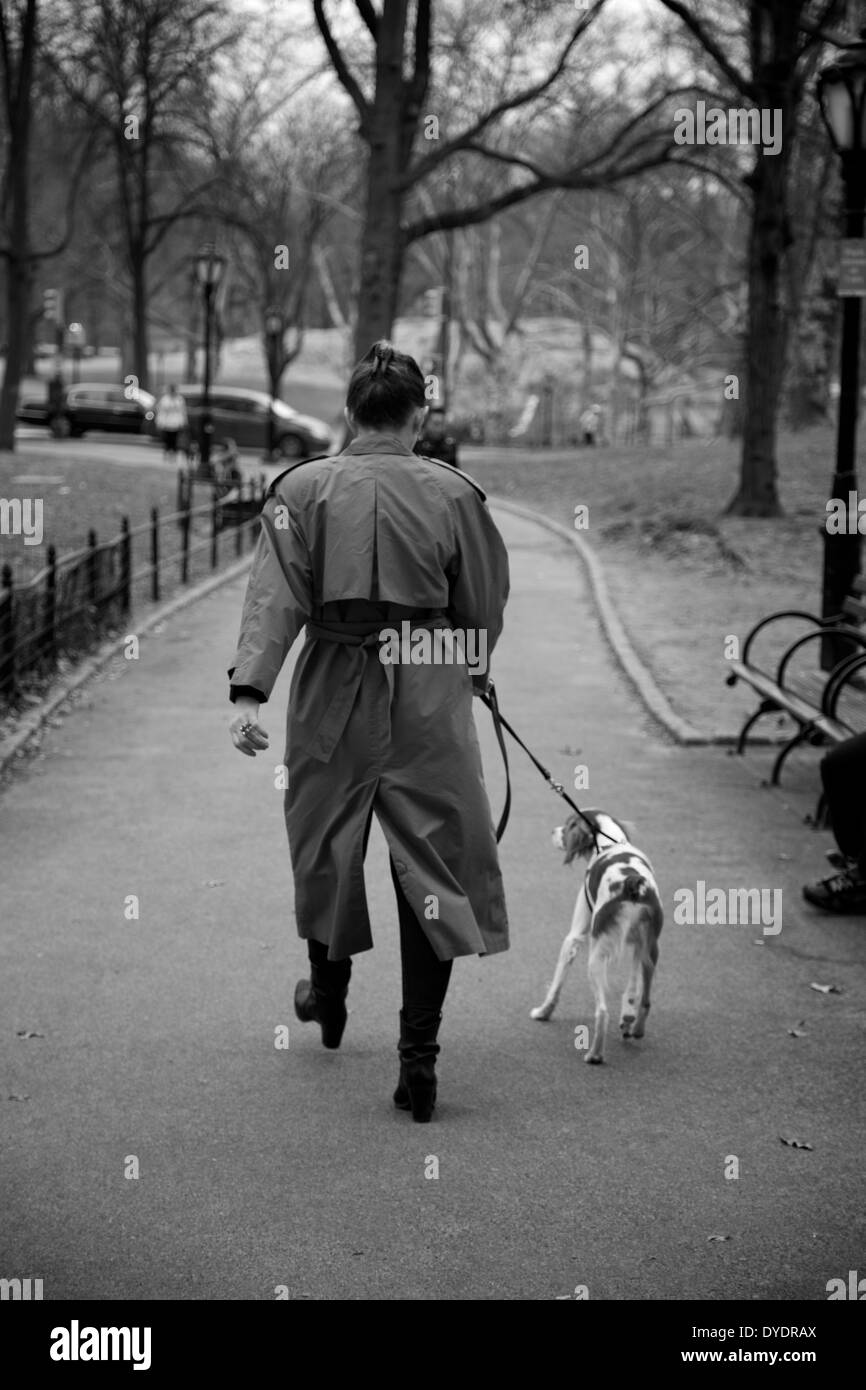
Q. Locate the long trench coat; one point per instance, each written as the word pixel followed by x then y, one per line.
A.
pixel 380 524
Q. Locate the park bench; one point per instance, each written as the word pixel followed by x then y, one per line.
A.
pixel 811 698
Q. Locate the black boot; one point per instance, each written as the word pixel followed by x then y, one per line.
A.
pixel 418 1048
pixel 322 999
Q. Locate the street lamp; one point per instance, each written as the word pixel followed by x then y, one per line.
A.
pixel 274 329
pixel 208 270
pixel 842 99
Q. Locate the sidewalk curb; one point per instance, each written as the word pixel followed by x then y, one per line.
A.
pixel 11 747
pixel 654 701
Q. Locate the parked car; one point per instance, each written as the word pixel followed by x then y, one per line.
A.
pixel 243 416
pixel 94 406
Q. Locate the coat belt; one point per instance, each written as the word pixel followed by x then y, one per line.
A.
pixel 359 638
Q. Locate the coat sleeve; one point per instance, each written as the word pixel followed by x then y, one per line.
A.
pixel 276 605
pixel 479 579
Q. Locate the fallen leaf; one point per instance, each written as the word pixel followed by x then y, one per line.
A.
pixel 825 989
pixel 709 1238
pixel 28 1033
pixel 797 1033
pixel 13 1096
pixel 758 942
pixel 213 883
pixel 794 1143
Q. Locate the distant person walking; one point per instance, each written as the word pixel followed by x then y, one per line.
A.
pixel 171 418
pixel 435 442
pixel 590 424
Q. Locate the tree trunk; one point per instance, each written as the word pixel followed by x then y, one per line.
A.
pixel 18 281
pixel 140 365
pixel 392 121
pixel 16 214
pixel 757 494
pixel 382 247
pixel 775 55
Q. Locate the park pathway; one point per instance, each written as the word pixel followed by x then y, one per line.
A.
pixel 263 1168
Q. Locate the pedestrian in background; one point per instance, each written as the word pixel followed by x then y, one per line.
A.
pixel 843 775
pixel 590 424
pixel 435 442
pixel 372 539
pixel 171 418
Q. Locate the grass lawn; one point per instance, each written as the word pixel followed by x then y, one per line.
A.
pixel 78 494
pixel 683 575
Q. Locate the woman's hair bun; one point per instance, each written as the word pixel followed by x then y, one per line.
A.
pixel 383 354
pixel 385 388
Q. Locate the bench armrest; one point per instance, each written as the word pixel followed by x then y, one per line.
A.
pixel 853 633
pixel 772 618
pixel 838 679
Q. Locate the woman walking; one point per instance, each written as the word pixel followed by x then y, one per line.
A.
pixel 377 539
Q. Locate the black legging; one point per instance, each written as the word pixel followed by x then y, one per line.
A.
pixel 843 773
pixel 425 976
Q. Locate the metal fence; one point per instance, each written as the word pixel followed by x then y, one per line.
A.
pixel 68 607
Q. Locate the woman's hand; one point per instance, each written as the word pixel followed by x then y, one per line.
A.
pixel 248 736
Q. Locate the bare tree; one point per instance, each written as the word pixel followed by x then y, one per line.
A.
pixel 18 45
pixel 767 62
pixel 142 70
pixel 390 108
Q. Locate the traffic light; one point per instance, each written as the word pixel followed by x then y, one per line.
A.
pixel 52 305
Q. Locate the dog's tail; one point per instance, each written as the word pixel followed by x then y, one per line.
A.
pixel 634 889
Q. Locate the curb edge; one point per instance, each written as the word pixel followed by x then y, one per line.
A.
pixel 642 680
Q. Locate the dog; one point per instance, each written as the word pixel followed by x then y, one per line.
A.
pixel 617 907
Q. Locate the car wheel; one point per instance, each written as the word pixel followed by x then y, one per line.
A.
pixel 291 447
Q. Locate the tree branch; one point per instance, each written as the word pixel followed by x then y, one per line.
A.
pixel 480 212
pixel 708 43
pixel 423 166
pixel 369 16
pixel 340 65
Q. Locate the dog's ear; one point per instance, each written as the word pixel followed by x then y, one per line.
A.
pixel 577 839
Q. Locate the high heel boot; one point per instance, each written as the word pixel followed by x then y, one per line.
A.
pixel 322 999
pixel 418 1048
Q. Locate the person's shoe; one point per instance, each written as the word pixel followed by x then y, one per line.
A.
pixel 418 1048
pixel 843 893
pixel 328 1010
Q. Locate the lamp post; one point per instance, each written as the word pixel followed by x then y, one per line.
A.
pixel 208 270
pixel 842 98
pixel 274 329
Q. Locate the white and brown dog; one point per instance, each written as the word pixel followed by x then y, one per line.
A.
pixel 618 907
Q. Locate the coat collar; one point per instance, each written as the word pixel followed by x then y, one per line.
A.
pixel 376 443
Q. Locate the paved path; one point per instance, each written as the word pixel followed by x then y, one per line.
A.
pixel 261 1167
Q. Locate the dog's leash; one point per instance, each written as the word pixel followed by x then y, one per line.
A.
pixel 499 723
